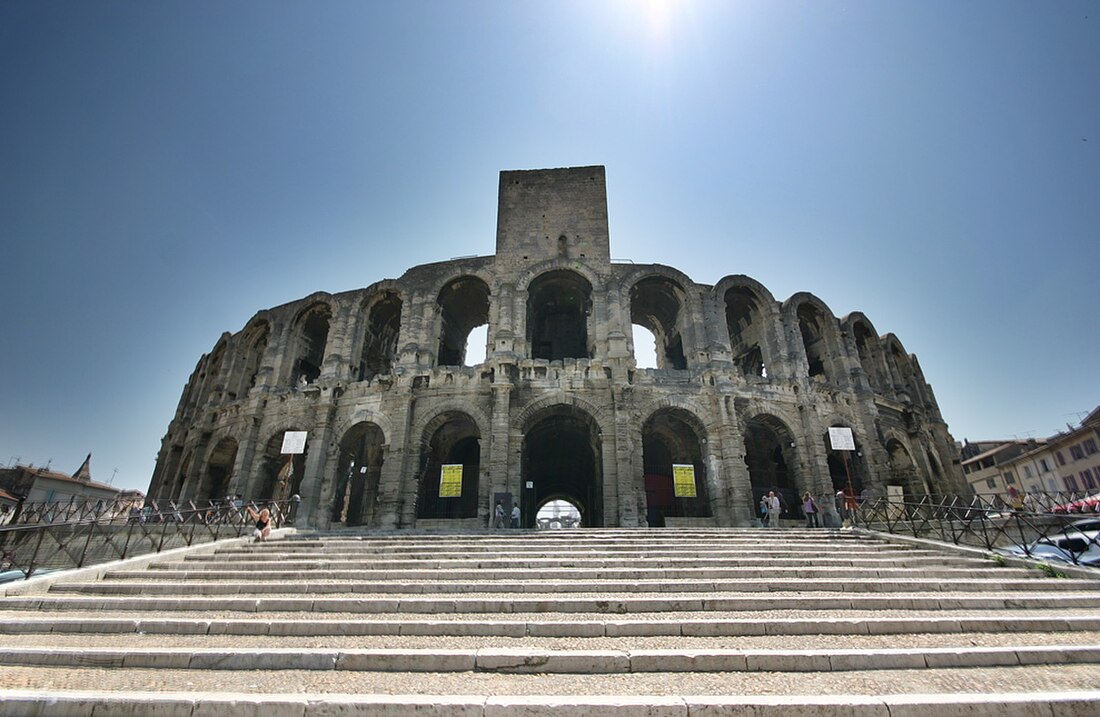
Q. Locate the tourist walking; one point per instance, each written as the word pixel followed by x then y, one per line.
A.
pixel 809 507
pixel 515 515
pixel 775 507
pixel 498 516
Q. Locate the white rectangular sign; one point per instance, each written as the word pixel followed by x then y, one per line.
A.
pixel 841 438
pixel 294 442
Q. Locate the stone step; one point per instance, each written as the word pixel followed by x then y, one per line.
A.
pixel 680 587
pixel 216 572
pixel 556 603
pixel 1081 703
pixel 1007 623
pixel 525 563
pixel 527 660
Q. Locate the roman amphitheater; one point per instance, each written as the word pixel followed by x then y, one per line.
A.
pixel 401 433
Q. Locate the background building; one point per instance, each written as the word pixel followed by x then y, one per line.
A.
pixel 744 393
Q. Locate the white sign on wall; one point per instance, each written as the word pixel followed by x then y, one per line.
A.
pixel 294 442
pixel 841 438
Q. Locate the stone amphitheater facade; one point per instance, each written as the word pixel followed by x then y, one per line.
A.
pixel 745 390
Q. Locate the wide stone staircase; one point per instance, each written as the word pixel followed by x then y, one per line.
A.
pixel 684 622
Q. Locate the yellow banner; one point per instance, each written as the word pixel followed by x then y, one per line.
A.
pixel 683 480
pixel 450 481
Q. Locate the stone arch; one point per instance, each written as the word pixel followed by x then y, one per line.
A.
pixel 771 460
pixel 251 345
pixel 868 349
pixel 901 369
pixel 674 436
pixel 309 340
pixel 179 479
pixel 522 420
pixel 361 415
pixel 558 317
pixel 463 305
pixel 561 456
pixel 450 437
pixel 361 450
pixel 378 333
pixel 856 469
pixel 659 302
pixel 819 335
pixel 218 473
pixel 751 324
pixel 275 474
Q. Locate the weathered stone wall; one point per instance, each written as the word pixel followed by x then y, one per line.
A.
pixel 747 389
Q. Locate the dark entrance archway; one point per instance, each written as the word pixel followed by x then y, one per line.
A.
pixel 769 455
pixel 451 438
pixel 562 459
pixel 219 470
pixel 837 470
pixel 280 475
pixel 357 475
pixel 673 437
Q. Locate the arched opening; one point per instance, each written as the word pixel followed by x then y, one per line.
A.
pixel 463 305
pixel 219 470
pixel 770 457
pixel 558 306
pixel 382 325
pixel 811 324
pixel 671 443
pixel 903 374
pixel 253 345
pixel 211 387
pixel 180 478
pixel 451 439
pixel 562 459
pixel 937 486
pixel 745 324
pixel 312 336
pixel 280 475
pixel 867 348
pixel 357 475
pixel 558 514
pixel 657 304
pixel 848 478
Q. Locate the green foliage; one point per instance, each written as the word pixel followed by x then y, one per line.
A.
pixel 1049 570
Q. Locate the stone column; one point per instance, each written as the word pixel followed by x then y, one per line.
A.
pixel 500 440
pixel 313 482
pixel 739 507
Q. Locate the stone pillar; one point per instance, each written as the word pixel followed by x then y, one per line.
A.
pixel 313 482
pixel 735 473
pixel 500 440
pixel 625 462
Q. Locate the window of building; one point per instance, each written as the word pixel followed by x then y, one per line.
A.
pixel 1061 458
pixel 1087 479
pixel 1071 483
pixel 1027 471
pixel 1076 452
pixel 1009 478
pixel 1090 446
pixel 991 482
pixel 1044 467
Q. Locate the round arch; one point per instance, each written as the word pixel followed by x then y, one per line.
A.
pixel 771 460
pixel 562 457
pixel 218 475
pixel 450 438
pixel 358 472
pixel 674 440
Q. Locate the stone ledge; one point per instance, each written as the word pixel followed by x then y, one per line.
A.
pixel 199 704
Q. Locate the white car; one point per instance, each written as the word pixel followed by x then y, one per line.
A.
pixel 1078 543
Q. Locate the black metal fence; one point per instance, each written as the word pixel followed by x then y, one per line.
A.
pixel 1053 527
pixel 44 537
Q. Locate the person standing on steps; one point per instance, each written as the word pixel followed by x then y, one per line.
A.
pixel 809 507
pixel 515 515
pixel 774 509
pixel 498 516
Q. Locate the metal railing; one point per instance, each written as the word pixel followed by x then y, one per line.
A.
pixel 45 537
pixel 1053 527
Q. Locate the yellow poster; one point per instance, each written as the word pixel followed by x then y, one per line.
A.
pixel 683 480
pixel 450 481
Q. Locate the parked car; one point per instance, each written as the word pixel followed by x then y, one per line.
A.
pixel 1078 543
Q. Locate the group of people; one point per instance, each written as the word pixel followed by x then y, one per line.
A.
pixel 498 516
pixel 772 507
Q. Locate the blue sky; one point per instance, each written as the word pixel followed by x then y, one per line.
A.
pixel 167 169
